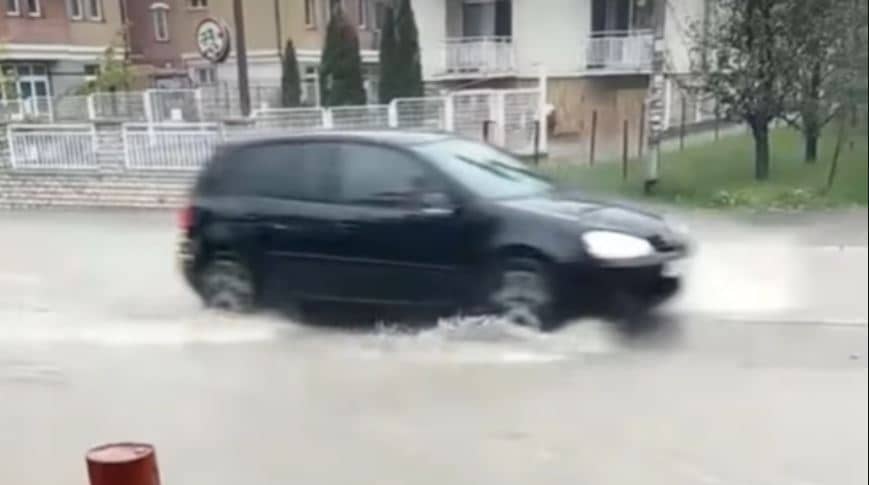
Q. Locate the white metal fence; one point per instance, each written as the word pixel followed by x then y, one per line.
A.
pixel 169 146
pixel 117 106
pixel 294 119
pixel 520 109
pixel 474 112
pixel 422 113
pixel 507 118
pixel 70 109
pixel 361 117
pixel 173 105
pixel 55 147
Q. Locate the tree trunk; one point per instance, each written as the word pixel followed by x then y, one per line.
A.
pixel 760 131
pixel 811 139
pixel 812 112
pixel 834 164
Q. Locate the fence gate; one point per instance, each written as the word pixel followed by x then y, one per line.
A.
pixel 520 113
pixel 53 147
pixel 126 106
pixel 473 109
pixel 420 113
pixel 169 146
pixel 174 105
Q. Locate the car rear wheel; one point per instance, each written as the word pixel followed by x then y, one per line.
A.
pixel 227 285
pixel 521 293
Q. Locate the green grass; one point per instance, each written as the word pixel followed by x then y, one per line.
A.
pixel 721 174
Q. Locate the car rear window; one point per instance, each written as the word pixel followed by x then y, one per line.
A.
pixel 298 171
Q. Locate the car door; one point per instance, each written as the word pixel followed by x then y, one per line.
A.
pixel 397 249
pixel 293 188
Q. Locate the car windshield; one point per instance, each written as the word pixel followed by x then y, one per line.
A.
pixel 485 171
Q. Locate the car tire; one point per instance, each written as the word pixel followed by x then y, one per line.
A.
pixel 227 285
pixel 521 292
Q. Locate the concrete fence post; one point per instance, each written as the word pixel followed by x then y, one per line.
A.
pixel 92 108
pixel 392 114
pixel 593 141
pixel 197 95
pixel 449 114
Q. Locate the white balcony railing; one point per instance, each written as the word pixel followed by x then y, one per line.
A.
pixel 620 50
pixel 479 55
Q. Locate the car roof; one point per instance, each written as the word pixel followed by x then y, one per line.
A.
pixel 388 137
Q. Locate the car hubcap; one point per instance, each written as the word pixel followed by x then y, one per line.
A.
pixel 521 296
pixel 227 288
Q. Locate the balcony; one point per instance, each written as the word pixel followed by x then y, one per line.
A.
pixel 620 51
pixel 483 56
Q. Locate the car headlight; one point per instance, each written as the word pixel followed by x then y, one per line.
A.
pixel 616 245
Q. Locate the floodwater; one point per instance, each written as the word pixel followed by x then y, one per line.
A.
pixel 756 374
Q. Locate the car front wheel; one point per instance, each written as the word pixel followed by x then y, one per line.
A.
pixel 521 293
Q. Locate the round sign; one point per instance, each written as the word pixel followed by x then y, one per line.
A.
pixel 212 38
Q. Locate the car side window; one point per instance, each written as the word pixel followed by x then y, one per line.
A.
pixel 377 175
pixel 295 171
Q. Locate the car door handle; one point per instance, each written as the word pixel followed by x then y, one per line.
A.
pixel 434 212
pixel 278 226
pixel 346 226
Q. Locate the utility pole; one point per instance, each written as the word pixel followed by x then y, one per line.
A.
pixel 241 58
pixel 279 35
pixel 655 108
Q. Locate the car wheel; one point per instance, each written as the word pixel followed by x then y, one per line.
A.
pixel 521 293
pixel 227 285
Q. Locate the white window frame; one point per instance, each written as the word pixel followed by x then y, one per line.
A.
pixel 90 77
pixel 362 11
pixel 98 15
pixel 310 14
pixel 17 11
pixel 70 8
pixel 328 9
pixel 212 75
pixel 160 12
pixel 36 12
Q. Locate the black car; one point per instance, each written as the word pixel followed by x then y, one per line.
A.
pixel 417 220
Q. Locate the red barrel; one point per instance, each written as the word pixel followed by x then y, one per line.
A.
pixel 123 464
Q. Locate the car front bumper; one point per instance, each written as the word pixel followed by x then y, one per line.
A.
pixel 600 285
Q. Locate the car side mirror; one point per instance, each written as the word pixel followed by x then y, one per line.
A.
pixel 438 200
pixel 436 203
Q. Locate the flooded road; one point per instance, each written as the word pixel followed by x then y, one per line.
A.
pixel 757 374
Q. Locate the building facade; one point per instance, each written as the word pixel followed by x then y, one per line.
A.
pixel 162 37
pixel 597 53
pixel 53 47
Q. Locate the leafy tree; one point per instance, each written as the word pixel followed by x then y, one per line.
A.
pixel 848 91
pixel 7 77
pixel 291 88
pixel 819 35
pixel 388 58
pixel 114 75
pixel 750 65
pixel 341 68
pixel 407 79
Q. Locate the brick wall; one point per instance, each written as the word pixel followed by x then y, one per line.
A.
pixel 109 185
